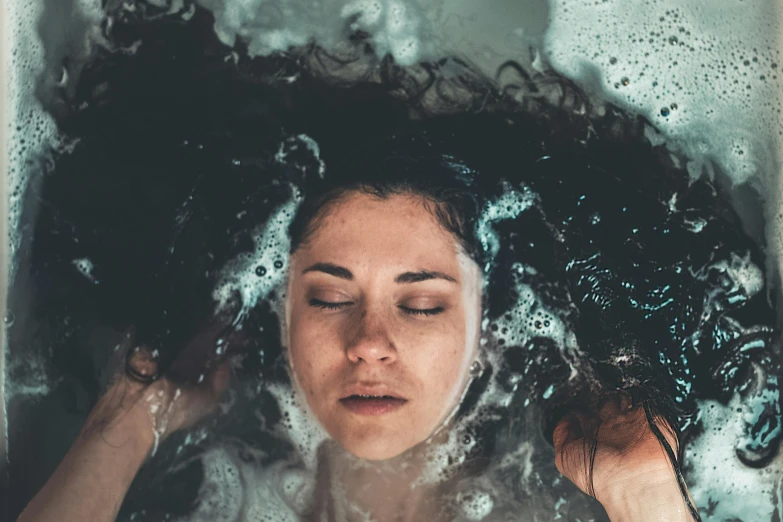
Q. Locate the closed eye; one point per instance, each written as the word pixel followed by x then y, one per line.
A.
pixel 422 311
pixel 329 305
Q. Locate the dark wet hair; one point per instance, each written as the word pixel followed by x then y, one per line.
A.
pixel 423 160
pixel 407 164
pixel 608 248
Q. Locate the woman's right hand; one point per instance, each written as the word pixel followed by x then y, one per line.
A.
pixel 153 410
pixel 126 424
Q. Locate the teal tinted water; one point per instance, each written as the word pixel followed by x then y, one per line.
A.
pixel 730 132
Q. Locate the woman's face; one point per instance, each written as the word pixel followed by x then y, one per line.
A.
pixel 383 317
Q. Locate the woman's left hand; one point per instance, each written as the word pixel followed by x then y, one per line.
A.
pixel 632 476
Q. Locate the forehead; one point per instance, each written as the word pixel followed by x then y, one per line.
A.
pixel 396 230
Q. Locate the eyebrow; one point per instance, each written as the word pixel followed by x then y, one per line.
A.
pixel 331 269
pixel 404 278
pixel 422 275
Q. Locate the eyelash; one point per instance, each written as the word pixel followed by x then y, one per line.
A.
pixel 329 306
pixel 422 311
pixel 411 311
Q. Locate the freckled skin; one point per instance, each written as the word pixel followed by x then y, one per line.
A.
pixel 421 358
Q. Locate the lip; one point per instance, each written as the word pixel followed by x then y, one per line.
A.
pixel 371 399
pixel 372 406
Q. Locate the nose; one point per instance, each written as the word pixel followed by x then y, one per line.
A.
pixel 370 342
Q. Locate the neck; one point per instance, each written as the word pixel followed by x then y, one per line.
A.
pixel 359 490
pixel 355 490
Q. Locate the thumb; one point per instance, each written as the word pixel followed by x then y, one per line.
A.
pixel 203 398
pixel 219 379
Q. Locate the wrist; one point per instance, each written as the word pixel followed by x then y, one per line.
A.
pixel 121 422
pixel 652 498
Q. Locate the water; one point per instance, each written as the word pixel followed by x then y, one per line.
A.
pixel 120 200
pixel 656 58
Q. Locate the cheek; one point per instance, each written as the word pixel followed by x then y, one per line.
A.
pixel 440 362
pixel 311 351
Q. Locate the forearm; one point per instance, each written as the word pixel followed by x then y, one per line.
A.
pixel 661 502
pixel 93 478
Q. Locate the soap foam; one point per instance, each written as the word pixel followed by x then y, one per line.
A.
pixel 267 26
pixel 232 490
pixel 85 268
pixel 28 377
pixel 476 505
pixel 705 74
pixel 663 80
pixel 724 487
pixel 30 128
pixel 298 424
pixel 512 203
pixel 253 277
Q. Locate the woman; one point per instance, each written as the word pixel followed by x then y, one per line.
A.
pixel 401 310
pixel 382 323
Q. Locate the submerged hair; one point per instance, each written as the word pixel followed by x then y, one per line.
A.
pixel 616 242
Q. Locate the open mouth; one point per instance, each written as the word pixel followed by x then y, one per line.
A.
pixel 372 404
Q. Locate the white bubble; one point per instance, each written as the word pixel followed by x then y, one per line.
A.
pixel 476 505
pixel 253 277
pixel 299 424
pixel 237 487
pixel 717 478
pixel 31 377
pixel 85 267
pixel 508 206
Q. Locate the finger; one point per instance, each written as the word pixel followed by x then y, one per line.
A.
pixel 205 395
pixel 570 428
pixel 115 365
pixel 567 432
pixel 142 364
pixel 203 399
pixel 220 378
pixel 194 362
